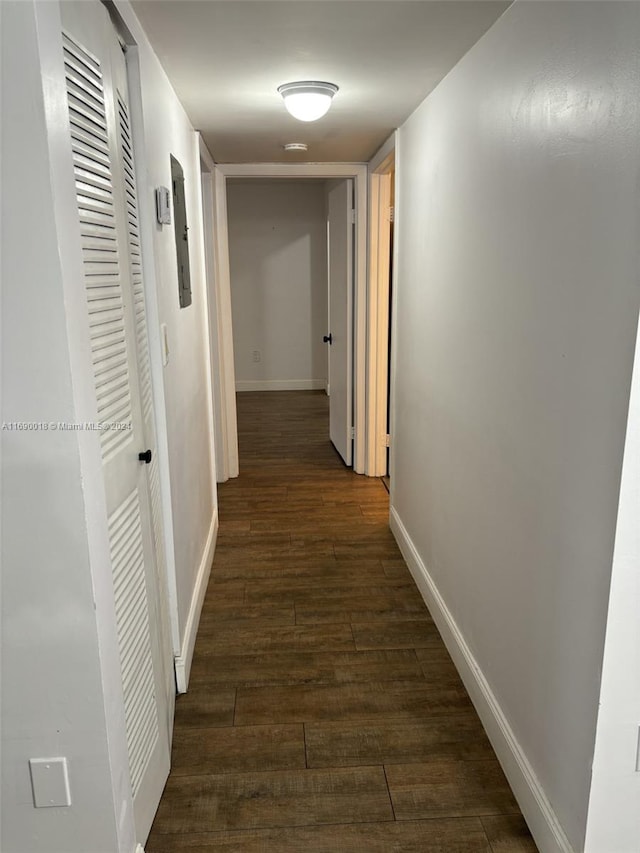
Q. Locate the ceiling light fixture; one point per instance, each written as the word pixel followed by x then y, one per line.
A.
pixel 307 100
pixel 296 146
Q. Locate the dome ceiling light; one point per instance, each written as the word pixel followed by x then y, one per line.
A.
pixel 296 146
pixel 307 100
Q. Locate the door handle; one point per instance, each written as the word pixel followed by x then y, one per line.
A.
pixel 328 339
pixel 145 457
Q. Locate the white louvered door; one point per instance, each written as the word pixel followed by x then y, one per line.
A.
pixel 107 218
pixel 129 190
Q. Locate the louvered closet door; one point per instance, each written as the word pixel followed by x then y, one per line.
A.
pixel 120 365
pixel 128 185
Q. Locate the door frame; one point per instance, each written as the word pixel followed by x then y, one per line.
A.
pixel 222 370
pixel 380 261
pixel 222 300
pixel 339 201
pixel 223 389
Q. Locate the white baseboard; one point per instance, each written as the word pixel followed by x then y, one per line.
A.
pixel 536 808
pixel 280 384
pixel 183 660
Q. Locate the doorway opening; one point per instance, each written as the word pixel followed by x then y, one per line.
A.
pixel 278 270
pixel 257 355
pixel 382 265
pixel 291 273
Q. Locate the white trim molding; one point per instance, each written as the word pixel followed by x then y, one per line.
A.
pixel 281 384
pixel 380 261
pixel 207 169
pixel 357 171
pixel 384 155
pixel 184 659
pixel 536 808
pixel 226 365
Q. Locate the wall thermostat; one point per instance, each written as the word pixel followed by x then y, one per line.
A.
pixel 163 206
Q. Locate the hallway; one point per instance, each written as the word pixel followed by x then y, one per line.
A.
pixel 324 713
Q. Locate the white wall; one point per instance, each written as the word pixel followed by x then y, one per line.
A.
pixel 61 693
pixel 278 258
pixel 61 684
pixel 517 304
pixel 186 378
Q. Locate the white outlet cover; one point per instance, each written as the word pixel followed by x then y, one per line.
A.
pixel 50 782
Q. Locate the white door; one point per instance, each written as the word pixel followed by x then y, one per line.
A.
pixel 340 252
pixel 116 321
pixel 128 185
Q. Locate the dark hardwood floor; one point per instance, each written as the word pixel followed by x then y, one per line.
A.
pixel 324 714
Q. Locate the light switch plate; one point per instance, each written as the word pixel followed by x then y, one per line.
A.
pixel 50 782
pixel 163 206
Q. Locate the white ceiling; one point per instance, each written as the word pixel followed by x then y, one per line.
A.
pixel 226 58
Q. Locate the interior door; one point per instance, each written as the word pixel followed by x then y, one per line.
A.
pixel 340 265
pixel 129 191
pixel 115 315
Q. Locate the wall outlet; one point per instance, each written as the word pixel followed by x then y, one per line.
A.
pixel 256 356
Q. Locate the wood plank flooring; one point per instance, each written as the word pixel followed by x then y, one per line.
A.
pixel 324 714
